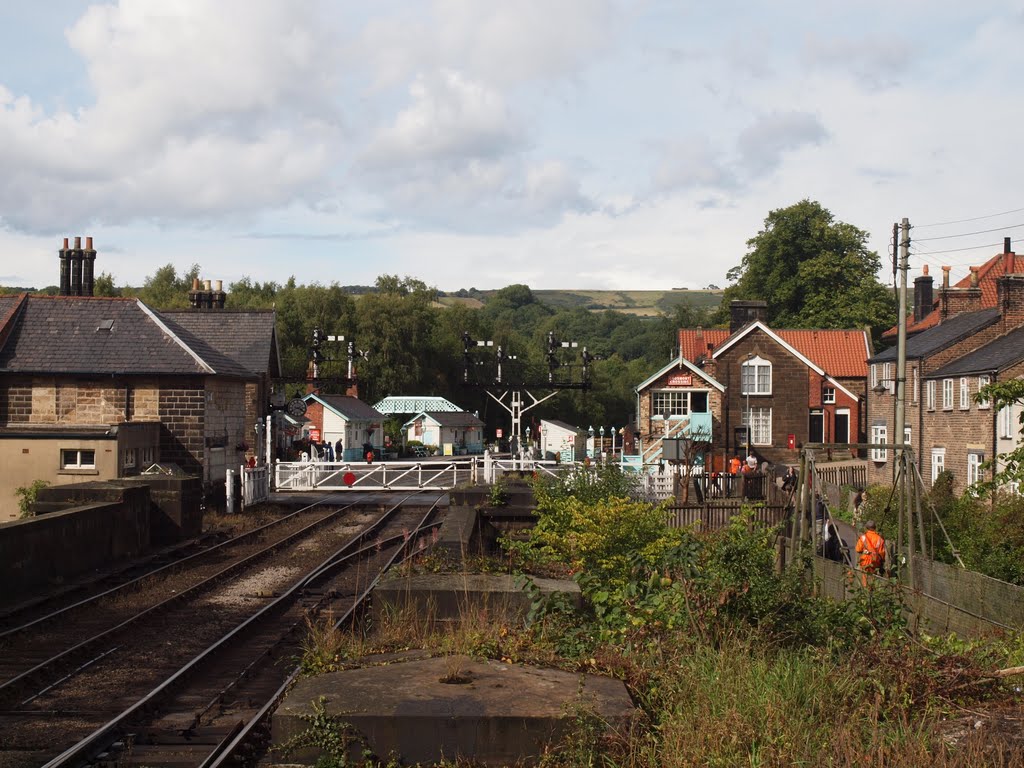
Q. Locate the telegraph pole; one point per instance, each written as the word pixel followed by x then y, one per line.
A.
pixel 904 508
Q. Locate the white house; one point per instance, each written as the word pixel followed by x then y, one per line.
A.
pixel 564 440
pixel 334 418
pixel 457 432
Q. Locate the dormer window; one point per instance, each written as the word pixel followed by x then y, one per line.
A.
pixel 756 376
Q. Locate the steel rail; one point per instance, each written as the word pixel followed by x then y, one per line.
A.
pixel 196 589
pixel 99 740
pixel 220 757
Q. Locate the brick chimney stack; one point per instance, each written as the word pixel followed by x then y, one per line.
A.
pixel 924 299
pixel 207 294
pixel 743 312
pixel 957 301
pixel 88 266
pixel 76 268
pixel 65 269
pixel 1010 290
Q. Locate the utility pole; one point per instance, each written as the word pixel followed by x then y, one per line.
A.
pixel 904 508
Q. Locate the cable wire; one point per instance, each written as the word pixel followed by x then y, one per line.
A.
pixel 968 234
pixel 964 221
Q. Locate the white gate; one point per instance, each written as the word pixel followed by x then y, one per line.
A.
pixel 386 476
pixel 255 485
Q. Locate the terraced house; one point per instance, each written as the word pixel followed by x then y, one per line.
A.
pixel 963 341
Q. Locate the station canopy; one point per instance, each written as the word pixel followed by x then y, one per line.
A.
pixel 404 404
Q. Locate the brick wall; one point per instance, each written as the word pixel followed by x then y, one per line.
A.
pixel 958 432
pixel 789 398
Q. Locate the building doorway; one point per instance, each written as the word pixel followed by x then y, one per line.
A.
pixel 842 427
pixel 816 427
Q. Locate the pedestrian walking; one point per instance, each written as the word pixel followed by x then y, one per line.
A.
pixel 871 551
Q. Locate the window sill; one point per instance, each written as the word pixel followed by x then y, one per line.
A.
pixel 70 471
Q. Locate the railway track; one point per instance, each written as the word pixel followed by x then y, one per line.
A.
pixel 177 682
pixel 61 604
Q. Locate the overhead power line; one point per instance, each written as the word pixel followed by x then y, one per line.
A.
pixel 964 221
pixel 954 250
pixel 967 234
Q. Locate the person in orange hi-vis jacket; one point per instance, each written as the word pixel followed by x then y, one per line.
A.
pixel 871 549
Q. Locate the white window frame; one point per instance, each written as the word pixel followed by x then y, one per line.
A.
pixel 129 458
pixel 916 384
pixel 80 458
pixel 965 394
pixel 874 375
pixel 887 378
pixel 938 463
pixel 983 381
pixel 974 471
pixel 879 434
pixel 676 398
pixel 828 396
pixel 757 372
pixel 761 429
pixel 930 395
pixel 1006 422
pixel 947 394
pixel 148 455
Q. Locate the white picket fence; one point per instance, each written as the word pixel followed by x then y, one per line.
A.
pixel 255 485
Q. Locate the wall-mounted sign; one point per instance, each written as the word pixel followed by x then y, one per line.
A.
pixel 314 435
pixel 680 380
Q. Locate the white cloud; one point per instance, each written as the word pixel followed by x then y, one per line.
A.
pixel 763 144
pixel 201 108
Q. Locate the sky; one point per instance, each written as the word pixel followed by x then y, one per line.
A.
pixel 587 144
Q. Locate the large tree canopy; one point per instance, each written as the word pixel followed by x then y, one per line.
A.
pixel 814 272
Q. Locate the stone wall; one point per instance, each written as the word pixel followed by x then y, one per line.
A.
pixel 112 525
pixel 182 412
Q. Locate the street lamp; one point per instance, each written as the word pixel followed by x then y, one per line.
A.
pixel 613 442
pixel 590 440
pixel 601 430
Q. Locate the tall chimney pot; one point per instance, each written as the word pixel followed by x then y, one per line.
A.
pixel 65 243
pixel 924 270
pixel 217 285
pixel 78 243
pixel 206 285
pixel 974 277
pixel 945 276
pixel 1006 245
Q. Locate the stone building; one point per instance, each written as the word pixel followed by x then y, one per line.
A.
pixel 94 388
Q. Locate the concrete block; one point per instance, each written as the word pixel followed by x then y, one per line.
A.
pixel 455 596
pixel 499 714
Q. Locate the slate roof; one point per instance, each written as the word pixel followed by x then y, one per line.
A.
pixel 995 356
pixel 988 276
pixel 349 408
pixel 104 336
pixel 247 337
pixel 839 353
pixel 952 330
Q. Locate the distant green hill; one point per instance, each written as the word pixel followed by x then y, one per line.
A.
pixel 642 303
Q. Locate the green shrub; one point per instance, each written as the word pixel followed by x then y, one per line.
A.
pixel 27 497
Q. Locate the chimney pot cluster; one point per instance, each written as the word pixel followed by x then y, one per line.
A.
pixel 76 268
pixel 206 294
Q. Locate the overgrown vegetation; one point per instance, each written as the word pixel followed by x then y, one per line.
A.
pixel 729 661
pixel 987 532
pixel 27 495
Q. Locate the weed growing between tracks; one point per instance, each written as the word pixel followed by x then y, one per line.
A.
pixel 729 662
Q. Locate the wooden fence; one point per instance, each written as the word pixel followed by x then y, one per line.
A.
pixel 711 517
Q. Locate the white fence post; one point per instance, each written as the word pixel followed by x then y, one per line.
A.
pixel 229 490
